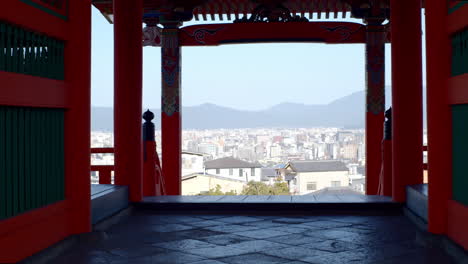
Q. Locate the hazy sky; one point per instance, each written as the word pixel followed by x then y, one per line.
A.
pixel 247 76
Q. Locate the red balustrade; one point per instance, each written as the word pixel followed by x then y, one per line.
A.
pixel 104 171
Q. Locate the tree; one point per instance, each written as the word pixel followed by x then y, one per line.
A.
pixel 260 188
pixel 217 191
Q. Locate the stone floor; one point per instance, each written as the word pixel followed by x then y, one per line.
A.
pixel 217 239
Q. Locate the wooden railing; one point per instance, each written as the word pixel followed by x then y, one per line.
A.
pixel 104 171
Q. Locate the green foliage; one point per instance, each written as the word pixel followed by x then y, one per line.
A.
pixel 260 188
pixel 217 191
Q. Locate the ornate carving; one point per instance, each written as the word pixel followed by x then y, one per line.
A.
pixel 200 34
pixel 170 71
pixel 273 12
pixel 152 36
pixel 375 54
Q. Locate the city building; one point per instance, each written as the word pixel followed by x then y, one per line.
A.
pixel 309 176
pixel 232 168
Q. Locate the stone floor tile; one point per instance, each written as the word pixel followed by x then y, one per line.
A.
pixel 327 224
pixel 176 258
pixel 209 261
pixel 296 239
pixel 253 258
pixel 337 258
pixel 218 251
pixel 170 228
pixel 238 219
pixel 206 223
pixel 333 246
pixel 231 228
pixel 136 251
pixel 140 260
pixel 264 223
pixel 240 239
pixel 261 233
pixel 183 244
pixel 197 233
pixel 258 245
pixel 289 229
pixel 293 253
pixel 225 239
pixel 331 234
pixel 291 220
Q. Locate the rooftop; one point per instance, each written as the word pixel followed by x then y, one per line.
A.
pixel 317 166
pixel 230 163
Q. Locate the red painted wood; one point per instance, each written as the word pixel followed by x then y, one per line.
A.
pixel 457 20
pixel 457 227
pixel 457 91
pixel 19 235
pixel 102 150
pixel 105 173
pixel 172 153
pixel 387 181
pixel 374 136
pixel 439 116
pixel 406 96
pixel 27 16
pixel 128 64
pixel 149 169
pixel 321 32
pixel 375 104
pixel 26 90
pixel 171 122
pixel 78 116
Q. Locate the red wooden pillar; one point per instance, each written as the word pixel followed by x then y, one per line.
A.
pixel 375 102
pixel 406 95
pixel 439 120
pixel 128 64
pixel 171 123
pixel 78 116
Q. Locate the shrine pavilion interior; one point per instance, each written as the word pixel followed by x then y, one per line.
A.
pixel 47 201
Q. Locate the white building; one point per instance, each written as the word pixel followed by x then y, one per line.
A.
pixel 234 169
pixel 309 176
pixel 192 162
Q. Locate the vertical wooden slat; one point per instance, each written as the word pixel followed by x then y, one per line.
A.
pixel 61 161
pixel 15 156
pixel 3 200
pixel 31 158
pixel 27 158
pixel 2 46
pixel 8 162
pixel 14 48
pixel 8 48
pixel 20 157
pixel 21 51
pixel 43 157
pixel 35 194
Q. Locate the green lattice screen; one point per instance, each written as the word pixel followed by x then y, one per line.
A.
pixel 27 52
pixel 31 158
pixel 460 53
pixel 460 159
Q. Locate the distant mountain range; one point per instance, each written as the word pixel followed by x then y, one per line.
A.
pixel 347 112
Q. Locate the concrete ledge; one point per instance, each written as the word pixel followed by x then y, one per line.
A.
pixel 273 208
pixel 417 200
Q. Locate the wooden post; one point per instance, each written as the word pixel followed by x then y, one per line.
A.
pixel 375 101
pixel 128 64
pixel 406 95
pixel 77 117
pixel 439 118
pixel 170 109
